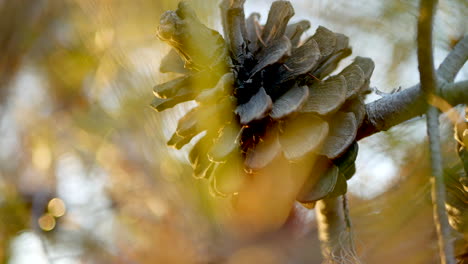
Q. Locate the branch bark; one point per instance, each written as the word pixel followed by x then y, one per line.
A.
pixel 399 107
pixel 335 237
pixel 394 109
pixel 449 68
pixel 429 88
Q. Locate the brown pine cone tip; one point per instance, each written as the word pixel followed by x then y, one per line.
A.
pixel 262 92
pixel 456 181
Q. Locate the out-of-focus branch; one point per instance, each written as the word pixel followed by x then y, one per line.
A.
pixel 455 93
pixel 428 79
pixel 449 68
pixel 427 73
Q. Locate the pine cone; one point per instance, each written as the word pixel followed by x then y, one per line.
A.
pixel 262 92
pixel 456 181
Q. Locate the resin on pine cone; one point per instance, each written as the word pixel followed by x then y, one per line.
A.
pixel 263 91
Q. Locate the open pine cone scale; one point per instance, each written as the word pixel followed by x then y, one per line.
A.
pixel 262 92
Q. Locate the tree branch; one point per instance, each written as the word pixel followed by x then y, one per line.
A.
pixel 397 108
pixel 394 109
pixel 452 64
pixel 427 73
pixel 429 86
pixel 335 237
pixel 455 93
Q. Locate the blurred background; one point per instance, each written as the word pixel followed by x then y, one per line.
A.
pixel 85 176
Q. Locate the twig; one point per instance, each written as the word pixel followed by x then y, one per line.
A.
pixel 452 64
pixel 346 212
pixel 335 238
pixel 455 93
pixel 428 85
pixel 394 109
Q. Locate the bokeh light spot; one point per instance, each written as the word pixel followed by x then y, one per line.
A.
pixel 42 156
pixel 56 207
pixel 46 222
